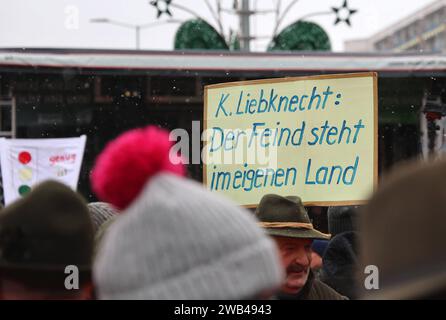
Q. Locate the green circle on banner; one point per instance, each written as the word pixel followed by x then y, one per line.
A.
pixel 24 189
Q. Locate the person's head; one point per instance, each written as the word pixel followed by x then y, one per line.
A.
pixel 318 248
pixel 316 261
pixel 41 235
pixel 295 255
pixel 100 213
pixel 342 219
pixel 401 234
pixel 16 284
pixel 174 239
pixel 340 263
pixel 286 220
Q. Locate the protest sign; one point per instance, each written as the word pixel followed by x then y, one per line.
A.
pixel 26 162
pixel 315 137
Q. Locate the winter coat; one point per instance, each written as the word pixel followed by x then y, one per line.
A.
pixel 313 290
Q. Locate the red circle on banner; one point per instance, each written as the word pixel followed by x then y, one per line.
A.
pixel 24 157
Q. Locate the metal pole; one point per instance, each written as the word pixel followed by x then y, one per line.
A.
pixel 13 118
pixel 244 15
pixel 138 29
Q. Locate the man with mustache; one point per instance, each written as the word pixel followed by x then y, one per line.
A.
pixel 286 220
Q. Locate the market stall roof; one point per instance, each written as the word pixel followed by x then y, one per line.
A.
pixel 221 61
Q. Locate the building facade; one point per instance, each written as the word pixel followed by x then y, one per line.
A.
pixel 422 31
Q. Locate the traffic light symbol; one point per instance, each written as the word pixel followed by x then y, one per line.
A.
pixel 25 172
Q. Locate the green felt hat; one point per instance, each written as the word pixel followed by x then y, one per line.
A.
pixel 286 217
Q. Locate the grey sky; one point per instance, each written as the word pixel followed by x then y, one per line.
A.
pixel 53 23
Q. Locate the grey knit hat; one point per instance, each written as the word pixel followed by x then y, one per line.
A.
pixel 342 219
pixel 100 212
pixel 179 241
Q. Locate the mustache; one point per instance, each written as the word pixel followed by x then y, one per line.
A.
pixel 295 267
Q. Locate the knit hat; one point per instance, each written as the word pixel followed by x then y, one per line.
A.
pixel 100 212
pixel 341 219
pixel 340 263
pixel 319 246
pixel 48 229
pixel 100 233
pixel 176 240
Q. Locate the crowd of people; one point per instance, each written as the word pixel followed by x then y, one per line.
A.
pixel 160 235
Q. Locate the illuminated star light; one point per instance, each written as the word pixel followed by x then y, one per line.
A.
pixel 160 8
pixel 344 9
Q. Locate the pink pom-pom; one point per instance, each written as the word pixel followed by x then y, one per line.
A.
pixel 128 162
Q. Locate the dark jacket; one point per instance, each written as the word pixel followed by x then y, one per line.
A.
pixel 313 290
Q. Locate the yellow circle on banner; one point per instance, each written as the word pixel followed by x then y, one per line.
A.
pixel 25 174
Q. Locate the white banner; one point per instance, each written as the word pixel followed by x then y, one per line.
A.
pixel 26 162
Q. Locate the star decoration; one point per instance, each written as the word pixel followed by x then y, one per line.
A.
pixel 345 10
pixel 161 9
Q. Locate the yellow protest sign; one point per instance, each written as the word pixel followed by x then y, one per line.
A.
pixel 314 137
